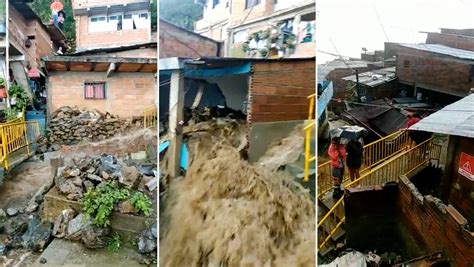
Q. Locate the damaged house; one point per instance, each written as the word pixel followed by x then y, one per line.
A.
pixel 270 95
pixel 114 67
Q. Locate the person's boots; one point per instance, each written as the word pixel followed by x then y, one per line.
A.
pixel 337 192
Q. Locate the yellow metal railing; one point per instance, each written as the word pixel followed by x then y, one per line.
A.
pixel 390 170
pixel 309 128
pixel 15 136
pixel 374 154
pixel 150 117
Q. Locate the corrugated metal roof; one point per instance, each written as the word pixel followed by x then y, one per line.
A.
pixel 455 119
pixel 375 77
pixel 443 50
pixel 326 68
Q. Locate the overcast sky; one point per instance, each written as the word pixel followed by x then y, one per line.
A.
pixel 352 25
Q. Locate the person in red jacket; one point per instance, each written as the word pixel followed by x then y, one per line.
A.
pixel 337 154
pixel 412 120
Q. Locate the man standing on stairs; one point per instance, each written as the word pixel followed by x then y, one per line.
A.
pixel 338 154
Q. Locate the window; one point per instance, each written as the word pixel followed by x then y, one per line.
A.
pixel 251 3
pixel 127 16
pixel 143 16
pixel 214 3
pixel 94 90
pixel 406 63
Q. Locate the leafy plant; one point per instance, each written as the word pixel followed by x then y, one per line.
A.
pixel 99 202
pixel 114 243
pixel 264 52
pixel 142 203
pixel 10 114
pixel 19 93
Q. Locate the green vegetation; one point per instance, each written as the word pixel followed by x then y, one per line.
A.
pixel 99 202
pixel 41 7
pixel 141 203
pixel 181 12
pixel 21 97
pixel 115 243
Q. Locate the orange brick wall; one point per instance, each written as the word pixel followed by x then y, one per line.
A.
pixel 20 29
pixel 176 42
pixel 439 226
pixel 128 94
pixel 84 39
pixel 279 90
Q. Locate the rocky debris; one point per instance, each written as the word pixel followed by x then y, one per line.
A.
pixel 94 237
pixel 130 178
pixel 126 207
pixel 76 227
pixel 62 221
pixel 86 173
pixel 70 126
pixel 147 240
pixel 37 198
pixel 37 235
pixel 43 260
pixel 2 213
pixel 12 212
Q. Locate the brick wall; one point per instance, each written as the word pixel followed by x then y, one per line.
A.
pixel 86 39
pixel 128 94
pixel 436 72
pixel 279 90
pixel 177 42
pixel 462 189
pixel 441 227
pixel 456 41
pixel 20 29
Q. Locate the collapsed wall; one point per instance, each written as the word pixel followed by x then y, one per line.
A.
pixel 228 212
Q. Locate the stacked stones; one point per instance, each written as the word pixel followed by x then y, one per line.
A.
pixel 87 173
pixel 70 126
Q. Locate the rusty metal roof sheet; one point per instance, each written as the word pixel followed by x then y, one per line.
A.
pixel 455 119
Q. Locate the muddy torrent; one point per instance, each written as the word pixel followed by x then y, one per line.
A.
pixel 228 212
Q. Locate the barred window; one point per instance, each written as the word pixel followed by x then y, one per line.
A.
pixel 94 90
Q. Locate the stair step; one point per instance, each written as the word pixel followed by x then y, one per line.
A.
pixel 327 248
pixel 330 224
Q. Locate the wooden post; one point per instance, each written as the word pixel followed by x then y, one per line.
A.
pixel 175 117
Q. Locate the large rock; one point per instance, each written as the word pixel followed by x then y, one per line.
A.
pixel 130 177
pixel 62 221
pixel 94 237
pixel 76 227
pixel 37 235
pixel 147 240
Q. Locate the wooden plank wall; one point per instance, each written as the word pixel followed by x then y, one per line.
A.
pixel 279 90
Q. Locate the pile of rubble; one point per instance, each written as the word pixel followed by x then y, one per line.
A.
pixel 70 126
pixel 86 173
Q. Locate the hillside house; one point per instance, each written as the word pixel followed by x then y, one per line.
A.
pixel 255 28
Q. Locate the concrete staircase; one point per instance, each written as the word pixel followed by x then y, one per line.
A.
pixel 325 203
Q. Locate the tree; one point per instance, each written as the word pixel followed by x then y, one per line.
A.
pixel 181 12
pixel 41 7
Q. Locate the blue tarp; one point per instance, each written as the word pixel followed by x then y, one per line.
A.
pixel 215 72
pixel 325 98
pixel 184 153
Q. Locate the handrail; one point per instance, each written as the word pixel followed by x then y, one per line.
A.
pixel 401 164
pixel 150 117
pixel 15 136
pixel 308 158
pixel 374 154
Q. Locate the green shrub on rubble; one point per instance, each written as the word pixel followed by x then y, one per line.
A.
pixel 99 202
pixel 114 243
pixel 142 203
